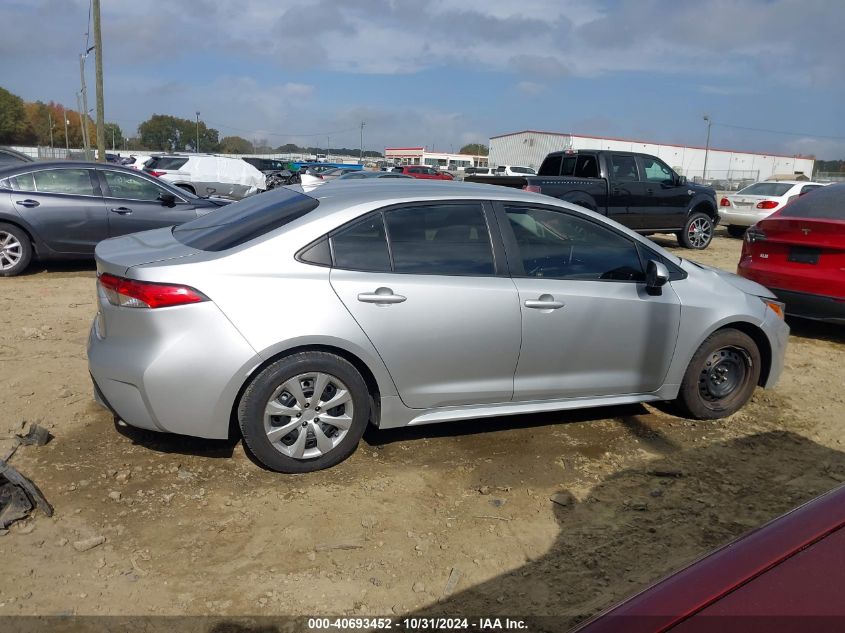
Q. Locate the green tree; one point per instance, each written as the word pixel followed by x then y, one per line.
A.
pixel 170 133
pixel 236 145
pixel 114 136
pixel 475 148
pixel 14 126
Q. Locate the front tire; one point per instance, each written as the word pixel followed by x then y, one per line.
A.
pixel 304 412
pixel 15 250
pixel 734 230
pixel 721 376
pixel 697 232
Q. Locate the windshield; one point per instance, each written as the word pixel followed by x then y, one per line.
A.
pixel 523 170
pixel 772 189
pixel 243 221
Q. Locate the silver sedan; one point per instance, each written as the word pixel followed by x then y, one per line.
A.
pixel 307 317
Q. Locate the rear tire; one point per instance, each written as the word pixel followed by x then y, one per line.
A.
pixel 721 376
pixel 734 230
pixel 697 232
pixel 15 250
pixel 188 188
pixel 285 423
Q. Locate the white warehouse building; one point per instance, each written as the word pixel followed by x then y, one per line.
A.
pixel 528 148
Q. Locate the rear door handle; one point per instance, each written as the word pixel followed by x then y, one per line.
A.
pixel 27 203
pixel 121 210
pixel 545 302
pixel 382 296
pixel 649 191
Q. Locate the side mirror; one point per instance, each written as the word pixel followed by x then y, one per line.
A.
pixel 167 199
pixel 682 180
pixel 656 276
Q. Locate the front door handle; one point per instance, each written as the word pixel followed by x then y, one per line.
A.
pixel 28 203
pixel 382 296
pixel 545 302
pixel 121 210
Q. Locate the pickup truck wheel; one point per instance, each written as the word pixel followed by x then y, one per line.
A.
pixel 697 232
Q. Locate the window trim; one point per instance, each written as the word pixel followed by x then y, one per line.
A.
pixel 105 187
pixel 517 270
pixel 95 182
pixel 497 248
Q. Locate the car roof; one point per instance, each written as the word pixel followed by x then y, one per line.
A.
pixel 70 164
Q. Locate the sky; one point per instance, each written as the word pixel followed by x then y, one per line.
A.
pixel 443 73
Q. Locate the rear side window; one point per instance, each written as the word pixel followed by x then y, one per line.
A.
pixel 243 221
pixel 443 239
pixel 586 167
pixel 826 203
pixel 75 182
pixel 550 166
pixel 165 162
pixel 23 182
pixel 362 246
pixel 624 168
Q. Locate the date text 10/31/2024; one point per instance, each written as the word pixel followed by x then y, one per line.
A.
pixel 417 624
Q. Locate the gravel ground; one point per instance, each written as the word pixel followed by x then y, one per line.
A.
pixel 193 526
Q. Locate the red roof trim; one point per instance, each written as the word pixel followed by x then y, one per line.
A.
pixel 628 140
pixel 395 149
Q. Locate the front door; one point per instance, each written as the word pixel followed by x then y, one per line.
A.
pixel 133 204
pixel 588 326
pixel 666 200
pixel 422 283
pixel 64 206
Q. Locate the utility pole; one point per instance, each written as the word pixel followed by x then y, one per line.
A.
pixel 328 145
pixel 67 140
pixel 112 139
pixel 83 112
pixel 362 142
pixel 707 146
pixel 50 119
pixel 82 124
pixel 98 81
pixel 197 150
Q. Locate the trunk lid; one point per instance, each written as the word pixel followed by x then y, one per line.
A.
pixel 118 254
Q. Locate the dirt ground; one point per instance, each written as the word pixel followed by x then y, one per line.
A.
pixel 195 527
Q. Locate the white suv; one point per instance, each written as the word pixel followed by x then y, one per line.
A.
pixel 204 174
pixel 514 170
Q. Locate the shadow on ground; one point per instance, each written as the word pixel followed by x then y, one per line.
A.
pixel 177 444
pixel 643 523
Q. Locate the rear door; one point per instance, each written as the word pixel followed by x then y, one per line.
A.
pixel 627 199
pixel 64 206
pixel 424 284
pixel 665 201
pixel 134 204
pixel 589 328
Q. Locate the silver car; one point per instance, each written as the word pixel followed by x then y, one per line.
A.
pixel 304 318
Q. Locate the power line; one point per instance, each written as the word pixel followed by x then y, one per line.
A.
pixel 767 131
pixel 88 26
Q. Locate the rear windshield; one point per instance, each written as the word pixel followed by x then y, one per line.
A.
pixel 826 203
pixel 165 162
pixel 766 189
pixel 550 166
pixel 246 220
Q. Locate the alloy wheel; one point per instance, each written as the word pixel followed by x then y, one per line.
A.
pixel 308 415
pixel 11 250
pixel 700 232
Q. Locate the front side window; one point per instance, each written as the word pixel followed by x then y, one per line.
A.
pixel 557 245
pixel 362 246
pixel 624 168
pixel 443 239
pixel 68 181
pixel 132 187
pixel 655 171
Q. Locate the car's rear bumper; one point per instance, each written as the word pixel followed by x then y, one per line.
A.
pixel 816 307
pixel 735 217
pixel 177 370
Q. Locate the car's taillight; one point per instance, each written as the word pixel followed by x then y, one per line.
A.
pixel 767 204
pixel 753 234
pixel 725 202
pixel 532 188
pixel 131 293
pixel 155 173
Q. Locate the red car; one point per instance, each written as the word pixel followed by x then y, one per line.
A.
pixel 425 173
pixel 787 576
pixel 798 252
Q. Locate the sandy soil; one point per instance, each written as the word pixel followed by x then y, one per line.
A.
pixel 194 526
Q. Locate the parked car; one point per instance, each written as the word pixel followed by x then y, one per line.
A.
pixel 751 204
pixel 205 174
pixel 61 209
pixel 514 170
pixel 9 157
pixel 369 175
pixel 139 160
pixel 337 172
pixel 267 165
pixel 479 171
pixel 637 190
pixel 423 172
pixel 799 253
pixel 783 577
pixel 424 304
